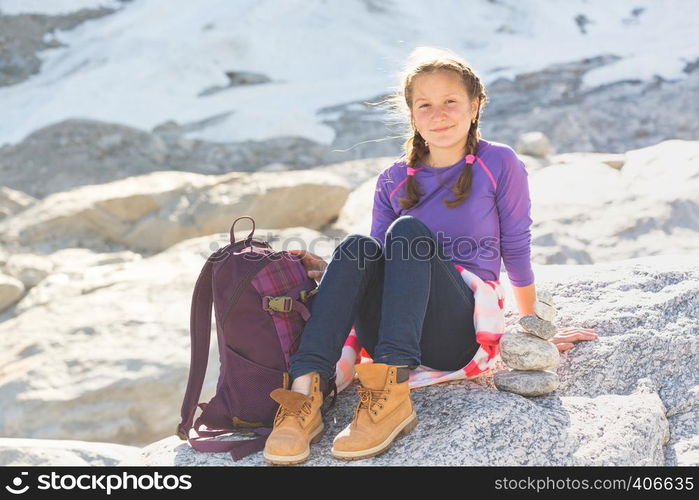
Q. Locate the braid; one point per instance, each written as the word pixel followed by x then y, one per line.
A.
pixel 462 187
pixel 417 150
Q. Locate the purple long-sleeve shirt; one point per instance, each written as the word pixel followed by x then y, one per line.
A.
pixel 492 224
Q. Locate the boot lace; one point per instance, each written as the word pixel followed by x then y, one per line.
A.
pixel 368 398
pixel 306 409
pixel 283 412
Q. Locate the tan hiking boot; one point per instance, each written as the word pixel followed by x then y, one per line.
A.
pixel 384 411
pixel 298 423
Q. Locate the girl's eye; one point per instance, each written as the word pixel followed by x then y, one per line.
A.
pixel 450 100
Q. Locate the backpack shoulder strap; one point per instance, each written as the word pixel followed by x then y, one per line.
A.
pixel 238 449
pixel 200 332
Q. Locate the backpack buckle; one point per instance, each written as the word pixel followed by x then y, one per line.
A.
pixel 280 304
pixel 180 433
pixel 305 294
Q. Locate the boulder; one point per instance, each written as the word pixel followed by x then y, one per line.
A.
pixel 645 311
pixel 584 211
pixel 466 423
pixel 154 211
pixel 354 216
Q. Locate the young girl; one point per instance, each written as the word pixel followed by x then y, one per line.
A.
pixel 454 199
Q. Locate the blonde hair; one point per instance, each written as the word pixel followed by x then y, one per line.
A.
pixel 429 60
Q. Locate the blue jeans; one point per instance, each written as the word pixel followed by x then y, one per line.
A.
pixel 408 304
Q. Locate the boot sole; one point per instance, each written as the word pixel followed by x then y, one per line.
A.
pixel 403 428
pixel 295 459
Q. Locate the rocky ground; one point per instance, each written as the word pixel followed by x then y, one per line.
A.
pixel 95 276
pixel 628 398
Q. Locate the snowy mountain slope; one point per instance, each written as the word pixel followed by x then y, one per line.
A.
pixel 159 60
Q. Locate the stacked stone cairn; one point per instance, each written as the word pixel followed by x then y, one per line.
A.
pixel 530 354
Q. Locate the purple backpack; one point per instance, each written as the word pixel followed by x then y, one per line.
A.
pixel 262 300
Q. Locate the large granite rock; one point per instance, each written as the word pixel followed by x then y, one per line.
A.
pixel 585 211
pixel 105 357
pixel 466 423
pixel 154 211
pixel 645 311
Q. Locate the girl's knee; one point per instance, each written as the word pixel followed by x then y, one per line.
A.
pixel 360 246
pixel 410 234
pixel 407 225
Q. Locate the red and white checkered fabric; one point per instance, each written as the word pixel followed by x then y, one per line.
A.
pixel 489 323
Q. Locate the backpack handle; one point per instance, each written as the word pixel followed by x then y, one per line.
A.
pixel 251 232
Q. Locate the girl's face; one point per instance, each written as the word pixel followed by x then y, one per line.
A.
pixel 441 109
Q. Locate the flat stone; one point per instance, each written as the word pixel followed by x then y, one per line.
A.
pixel 539 327
pixel 524 351
pixel 545 297
pixel 526 383
pixel 544 311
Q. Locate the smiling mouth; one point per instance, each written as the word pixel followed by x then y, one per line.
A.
pixel 442 129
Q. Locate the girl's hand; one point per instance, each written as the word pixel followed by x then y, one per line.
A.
pixel 565 337
pixel 314 265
